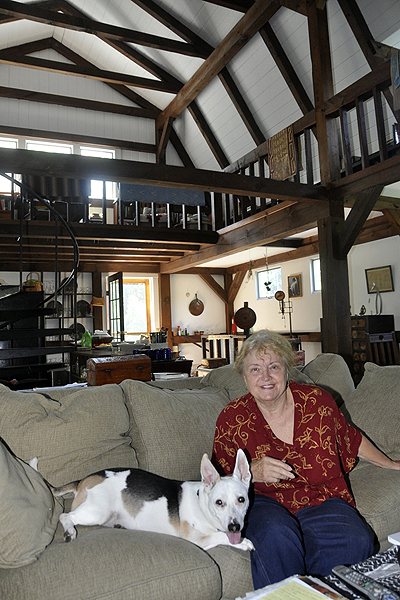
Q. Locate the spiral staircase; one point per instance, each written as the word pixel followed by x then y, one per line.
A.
pixel 26 356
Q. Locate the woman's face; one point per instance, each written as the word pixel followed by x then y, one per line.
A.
pixel 265 375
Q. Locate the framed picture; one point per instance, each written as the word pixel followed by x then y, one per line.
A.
pixel 381 278
pixel 294 286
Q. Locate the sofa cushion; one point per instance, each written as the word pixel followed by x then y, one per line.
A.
pixel 116 564
pixel 74 436
pixel 227 378
pixel 377 392
pixel 29 514
pixel 331 372
pixel 376 493
pixel 172 429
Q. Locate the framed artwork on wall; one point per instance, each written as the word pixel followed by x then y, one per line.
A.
pixel 381 278
pixel 294 286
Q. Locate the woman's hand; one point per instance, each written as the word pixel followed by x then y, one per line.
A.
pixel 270 470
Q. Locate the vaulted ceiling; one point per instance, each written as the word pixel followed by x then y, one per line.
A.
pixel 183 83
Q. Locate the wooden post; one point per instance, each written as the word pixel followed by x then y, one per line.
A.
pixel 326 129
pixel 165 306
pixel 336 321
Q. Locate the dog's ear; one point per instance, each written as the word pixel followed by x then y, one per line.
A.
pixel 209 474
pixel 242 469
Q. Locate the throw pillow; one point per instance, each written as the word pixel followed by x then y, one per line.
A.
pixel 29 514
pixel 374 407
pixel 172 429
pixel 78 434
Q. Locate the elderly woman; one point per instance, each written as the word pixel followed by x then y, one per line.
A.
pixel 303 519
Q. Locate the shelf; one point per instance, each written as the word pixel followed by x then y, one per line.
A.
pixel 186 339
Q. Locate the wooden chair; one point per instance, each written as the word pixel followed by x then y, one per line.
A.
pixel 383 349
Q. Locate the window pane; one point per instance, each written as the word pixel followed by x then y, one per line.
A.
pixel 96 190
pixel 47 147
pixel 316 275
pixel 268 282
pixel 5 184
pixel 135 307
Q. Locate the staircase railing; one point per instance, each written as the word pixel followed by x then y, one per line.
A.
pixel 38 309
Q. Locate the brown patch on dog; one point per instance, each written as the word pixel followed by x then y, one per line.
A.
pixel 83 487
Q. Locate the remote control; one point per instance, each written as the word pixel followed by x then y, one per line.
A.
pixel 365 585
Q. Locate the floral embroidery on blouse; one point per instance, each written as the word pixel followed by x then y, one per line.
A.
pixel 324 446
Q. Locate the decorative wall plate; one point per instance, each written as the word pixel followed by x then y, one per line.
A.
pixel 245 317
pixel 196 307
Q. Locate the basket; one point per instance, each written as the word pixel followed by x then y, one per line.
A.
pixel 32 285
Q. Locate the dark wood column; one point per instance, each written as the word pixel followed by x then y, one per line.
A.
pixel 336 322
pixel 165 306
pixel 326 129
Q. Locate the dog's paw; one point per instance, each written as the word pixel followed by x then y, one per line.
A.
pixel 245 544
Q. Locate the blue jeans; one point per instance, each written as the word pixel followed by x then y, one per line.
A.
pixel 311 542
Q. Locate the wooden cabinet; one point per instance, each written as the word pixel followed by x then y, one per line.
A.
pixel 360 326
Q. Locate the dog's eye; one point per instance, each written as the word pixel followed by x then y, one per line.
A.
pixel 241 499
pixel 219 502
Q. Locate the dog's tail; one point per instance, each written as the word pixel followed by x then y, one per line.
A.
pixel 69 488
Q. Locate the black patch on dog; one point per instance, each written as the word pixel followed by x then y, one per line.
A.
pixel 142 486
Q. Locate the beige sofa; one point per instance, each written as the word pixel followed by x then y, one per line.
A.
pixel 75 432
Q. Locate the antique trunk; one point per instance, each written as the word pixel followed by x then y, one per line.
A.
pixel 114 369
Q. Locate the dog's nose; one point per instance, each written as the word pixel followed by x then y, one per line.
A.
pixel 234 527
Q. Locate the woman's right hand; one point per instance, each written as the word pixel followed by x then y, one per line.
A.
pixel 270 470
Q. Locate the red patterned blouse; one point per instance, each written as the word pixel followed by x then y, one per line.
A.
pixel 324 446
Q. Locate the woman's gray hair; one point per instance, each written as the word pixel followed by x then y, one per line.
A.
pixel 264 341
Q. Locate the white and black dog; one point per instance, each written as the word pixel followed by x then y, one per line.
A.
pixel 208 513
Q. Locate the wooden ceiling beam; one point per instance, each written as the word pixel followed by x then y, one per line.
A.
pixel 277 222
pixel 257 15
pixel 208 134
pixel 54 66
pixel 118 234
pixel 56 99
pixel 72 138
pixel 164 17
pixel 86 25
pixel 226 79
pixel 285 67
pixel 241 106
pixel 24 161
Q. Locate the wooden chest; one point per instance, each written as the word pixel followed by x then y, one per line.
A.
pixel 114 369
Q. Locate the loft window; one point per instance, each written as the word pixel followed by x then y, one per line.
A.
pixel 268 282
pixel 101 189
pixel 315 266
pixel 49 147
pixel 5 184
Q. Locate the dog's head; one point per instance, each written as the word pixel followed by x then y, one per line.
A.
pixel 227 498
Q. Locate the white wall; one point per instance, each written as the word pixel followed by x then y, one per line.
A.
pixel 307 309
pixel 366 256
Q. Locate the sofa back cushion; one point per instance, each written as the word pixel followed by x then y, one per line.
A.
pixel 73 436
pixel 330 371
pixel 29 514
pixel 172 429
pixel 227 378
pixel 374 407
